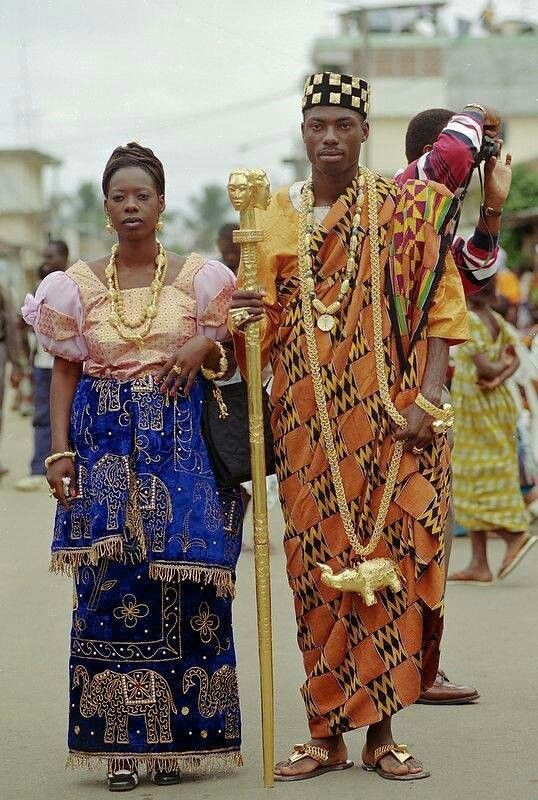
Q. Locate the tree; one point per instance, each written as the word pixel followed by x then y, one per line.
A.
pixel 210 209
pixel 523 195
pixel 88 209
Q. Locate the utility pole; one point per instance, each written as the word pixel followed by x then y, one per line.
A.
pixel 359 64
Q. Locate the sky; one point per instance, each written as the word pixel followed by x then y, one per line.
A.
pixel 208 84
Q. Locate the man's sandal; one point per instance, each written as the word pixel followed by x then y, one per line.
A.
pixel 315 752
pixel 402 754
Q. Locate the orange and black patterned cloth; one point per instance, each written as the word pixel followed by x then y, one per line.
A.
pixel 362 663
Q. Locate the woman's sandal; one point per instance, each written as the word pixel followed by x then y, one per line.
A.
pixel 123 780
pixel 505 570
pixel 402 754
pixel 162 778
pixel 319 754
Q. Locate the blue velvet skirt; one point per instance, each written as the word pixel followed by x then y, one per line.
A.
pixel 152 545
pixel 152 672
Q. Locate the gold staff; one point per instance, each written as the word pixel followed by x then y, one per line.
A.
pixel 249 189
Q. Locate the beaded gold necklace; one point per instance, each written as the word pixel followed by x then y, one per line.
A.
pixel 326 319
pixel 135 330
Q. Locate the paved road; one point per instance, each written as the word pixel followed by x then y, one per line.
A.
pixel 481 751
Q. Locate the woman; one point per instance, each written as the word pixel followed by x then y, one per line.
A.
pixel 151 542
pixel 487 495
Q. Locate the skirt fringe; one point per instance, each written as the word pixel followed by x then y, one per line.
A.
pixel 66 562
pixel 221 578
pixel 194 763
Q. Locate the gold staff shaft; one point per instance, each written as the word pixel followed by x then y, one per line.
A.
pixel 247 236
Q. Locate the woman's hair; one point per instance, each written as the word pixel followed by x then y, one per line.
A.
pixel 134 155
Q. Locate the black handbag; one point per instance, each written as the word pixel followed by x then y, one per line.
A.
pixel 227 439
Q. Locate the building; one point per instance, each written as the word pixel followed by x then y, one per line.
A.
pixel 413 65
pixel 24 214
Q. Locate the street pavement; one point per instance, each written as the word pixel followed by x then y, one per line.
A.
pixel 486 750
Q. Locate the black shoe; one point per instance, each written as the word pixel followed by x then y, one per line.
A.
pixel 122 781
pixel 161 778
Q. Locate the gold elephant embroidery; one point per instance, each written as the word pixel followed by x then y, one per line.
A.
pixel 220 695
pixel 117 696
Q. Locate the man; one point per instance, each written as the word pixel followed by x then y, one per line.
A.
pixel 230 252
pixel 55 257
pixel 346 362
pixel 442 146
pixel 11 350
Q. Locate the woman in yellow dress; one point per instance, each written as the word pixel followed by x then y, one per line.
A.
pixel 487 495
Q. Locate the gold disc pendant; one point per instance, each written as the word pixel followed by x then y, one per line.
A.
pixel 326 322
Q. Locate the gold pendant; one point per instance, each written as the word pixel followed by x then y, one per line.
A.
pixel 326 322
pixel 365 578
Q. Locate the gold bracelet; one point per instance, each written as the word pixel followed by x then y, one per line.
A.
pixel 57 456
pixel 443 417
pixel 478 106
pixel 210 374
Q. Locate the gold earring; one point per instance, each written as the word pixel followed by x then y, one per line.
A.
pixel 159 225
pixel 109 226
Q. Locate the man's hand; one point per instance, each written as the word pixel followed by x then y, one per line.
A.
pixel 497 180
pixel 251 302
pixel 419 433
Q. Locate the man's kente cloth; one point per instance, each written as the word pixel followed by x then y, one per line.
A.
pixel 362 663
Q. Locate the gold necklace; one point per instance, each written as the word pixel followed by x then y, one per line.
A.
pixel 135 330
pixel 376 573
pixel 326 321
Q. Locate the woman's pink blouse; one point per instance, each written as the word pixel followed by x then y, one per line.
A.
pixel 71 317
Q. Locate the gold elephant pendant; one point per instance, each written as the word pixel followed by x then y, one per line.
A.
pixel 365 578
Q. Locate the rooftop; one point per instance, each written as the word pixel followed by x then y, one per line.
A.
pixel 29 154
pixel 409 40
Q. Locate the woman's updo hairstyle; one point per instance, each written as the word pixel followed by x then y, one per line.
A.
pixel 134 155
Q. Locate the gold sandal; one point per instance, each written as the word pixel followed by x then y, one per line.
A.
pixel 402 754
pixel 317 753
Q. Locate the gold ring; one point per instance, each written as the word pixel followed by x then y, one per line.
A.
pixel 176 369
pixel 239 314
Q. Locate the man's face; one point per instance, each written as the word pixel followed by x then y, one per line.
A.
pixel 230 253
pixel 53 259
pixel 333 138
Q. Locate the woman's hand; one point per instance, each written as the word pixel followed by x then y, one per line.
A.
pixel 63 468
pixel 180 371
pixel 488 386
pixel 419 432
pixel 251 302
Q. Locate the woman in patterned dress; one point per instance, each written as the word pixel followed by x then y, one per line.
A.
pixel 150 540
pixel 487 495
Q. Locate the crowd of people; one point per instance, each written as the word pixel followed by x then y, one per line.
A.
pixel 366 292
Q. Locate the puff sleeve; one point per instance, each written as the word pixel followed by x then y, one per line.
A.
pixel 214 285
pixel 57 316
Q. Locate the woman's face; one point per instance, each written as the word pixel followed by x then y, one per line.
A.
pixel 133 203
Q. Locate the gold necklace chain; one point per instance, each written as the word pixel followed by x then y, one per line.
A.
pixel 135 330
pixel 317 381
pixel 326 320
